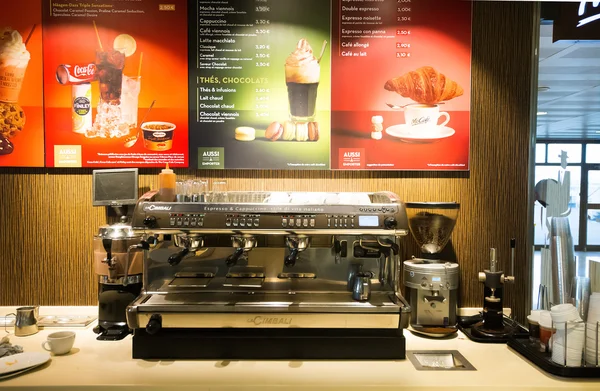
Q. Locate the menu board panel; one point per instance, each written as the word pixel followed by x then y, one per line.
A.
pixel 260 90
pixel 21 99
pixel 105 63
pixel 412 55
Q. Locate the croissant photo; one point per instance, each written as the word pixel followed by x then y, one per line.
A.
pixel 425 85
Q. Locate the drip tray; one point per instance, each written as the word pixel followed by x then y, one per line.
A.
pixel 189 282
pixel 439 360
pixel 244 282
pixel 245 277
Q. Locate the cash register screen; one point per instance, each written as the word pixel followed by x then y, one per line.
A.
pixel 115 187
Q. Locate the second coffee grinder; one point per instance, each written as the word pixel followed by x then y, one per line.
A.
pixel 431 282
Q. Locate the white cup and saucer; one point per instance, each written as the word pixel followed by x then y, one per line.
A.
pixel 422 124
pixel 59 343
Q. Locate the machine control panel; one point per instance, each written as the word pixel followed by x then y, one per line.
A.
pixel 298 221
pixel 242 221
pixel 341 221
pixel 186 220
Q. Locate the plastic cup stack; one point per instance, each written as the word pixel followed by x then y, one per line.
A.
pixel 591 355
pixel 566 319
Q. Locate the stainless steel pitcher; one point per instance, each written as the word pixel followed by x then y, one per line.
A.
pixel 362 286
pixel 26 322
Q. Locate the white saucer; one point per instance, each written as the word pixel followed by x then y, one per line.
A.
pixel 416 134
pixel 20 361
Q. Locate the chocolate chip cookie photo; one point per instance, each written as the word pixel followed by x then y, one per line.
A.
pixel 12 119
pixel 6 146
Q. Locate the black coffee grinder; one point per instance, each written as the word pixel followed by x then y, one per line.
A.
pixel 118 262
pixel 118 255
pixel 494 326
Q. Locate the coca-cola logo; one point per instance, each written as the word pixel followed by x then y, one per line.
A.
pixel 82 71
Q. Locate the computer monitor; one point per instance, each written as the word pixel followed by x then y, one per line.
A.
pixel 115 187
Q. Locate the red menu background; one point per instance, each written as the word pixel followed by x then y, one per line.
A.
pixel 28 151
pixel 162 37
pixel 440 37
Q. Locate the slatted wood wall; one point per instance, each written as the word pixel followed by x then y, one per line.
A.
pixel 48 222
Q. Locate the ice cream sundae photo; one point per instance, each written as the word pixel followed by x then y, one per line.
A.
pixel 14 59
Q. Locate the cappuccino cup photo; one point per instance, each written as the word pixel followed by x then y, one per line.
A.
pixel 425 116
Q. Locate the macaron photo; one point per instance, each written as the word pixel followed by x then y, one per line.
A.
pixel 245 133
pixel 274 131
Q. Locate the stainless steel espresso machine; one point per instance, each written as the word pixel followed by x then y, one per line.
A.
pixel 271 276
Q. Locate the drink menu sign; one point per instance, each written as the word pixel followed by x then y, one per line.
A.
pixel 115 83
pixel 344 84
pixel 401 85
pixel 260 88
pixel 21 100
pixel 237 84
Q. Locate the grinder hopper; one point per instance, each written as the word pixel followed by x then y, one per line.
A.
pixel 431 224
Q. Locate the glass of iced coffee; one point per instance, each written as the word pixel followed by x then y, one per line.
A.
pixel 14 59
pixel 109 70
pixel 302 73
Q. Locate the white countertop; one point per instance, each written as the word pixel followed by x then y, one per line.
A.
pixel 107 365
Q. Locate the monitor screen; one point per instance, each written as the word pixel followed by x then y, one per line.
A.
pixel 115 187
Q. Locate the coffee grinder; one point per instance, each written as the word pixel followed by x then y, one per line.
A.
pixel 431 283
pixel 118 256
pixel 493 326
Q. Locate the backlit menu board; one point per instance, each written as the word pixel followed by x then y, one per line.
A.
pixel 344 84
pixel 115 83
pixel 21 99
pixel 401 85
pixel 260 89
pixel 236 84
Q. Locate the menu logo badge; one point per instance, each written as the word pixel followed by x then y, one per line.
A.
pixel 67 156
pixel 211 157
pixel 352 158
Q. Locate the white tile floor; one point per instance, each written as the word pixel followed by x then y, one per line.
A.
pixel 583 260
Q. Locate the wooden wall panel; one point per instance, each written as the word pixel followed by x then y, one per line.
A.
pixel 48 222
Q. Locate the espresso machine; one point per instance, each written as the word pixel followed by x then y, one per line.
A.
pixel 271 276
pixel 430 282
